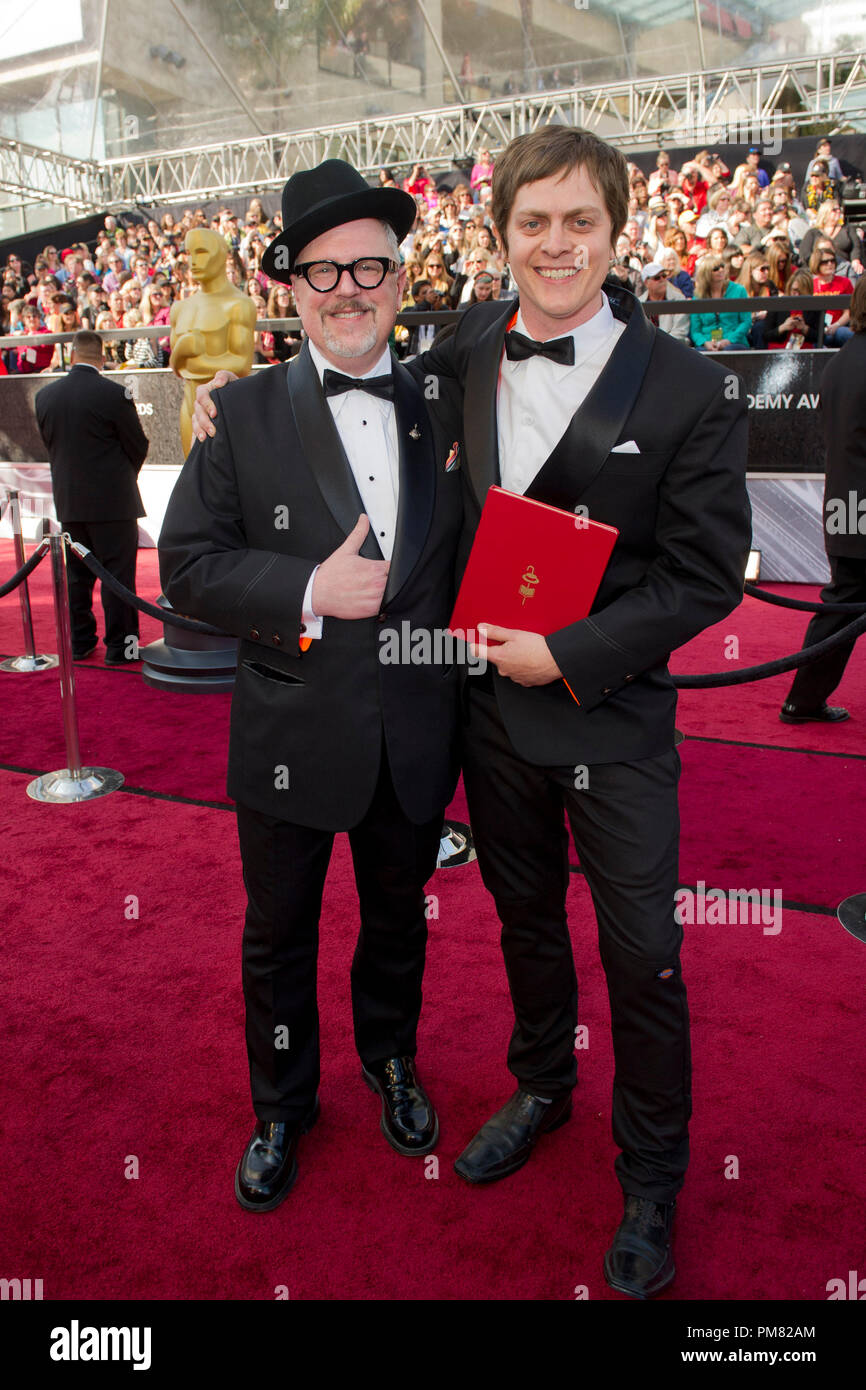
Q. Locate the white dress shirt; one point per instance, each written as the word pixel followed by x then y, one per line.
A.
pixel 537 397
pixel 367 426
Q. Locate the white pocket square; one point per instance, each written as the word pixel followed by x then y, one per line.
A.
pixel 628 448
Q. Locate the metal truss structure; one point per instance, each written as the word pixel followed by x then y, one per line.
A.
pixel 715 106
pixel 30 175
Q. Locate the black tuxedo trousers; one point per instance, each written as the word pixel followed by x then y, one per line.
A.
pixel 284 873
pixel 625 822
pixel 115 545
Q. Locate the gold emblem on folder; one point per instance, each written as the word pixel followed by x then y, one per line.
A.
pixel 530 581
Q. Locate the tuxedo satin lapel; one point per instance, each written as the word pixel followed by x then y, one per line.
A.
pixel 322 448
pixel 479 409
pixel 597 425
pixel 417 479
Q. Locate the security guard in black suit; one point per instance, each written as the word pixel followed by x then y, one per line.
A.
pixel 843 415
pixel 96 447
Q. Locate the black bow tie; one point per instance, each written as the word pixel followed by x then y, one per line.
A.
pixel 335 383
pixel 518 348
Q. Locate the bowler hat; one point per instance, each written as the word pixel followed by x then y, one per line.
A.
pixel 315 200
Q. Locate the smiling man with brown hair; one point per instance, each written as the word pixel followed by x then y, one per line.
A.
pixel 563 393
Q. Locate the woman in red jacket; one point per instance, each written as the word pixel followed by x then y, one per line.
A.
pixel 822 264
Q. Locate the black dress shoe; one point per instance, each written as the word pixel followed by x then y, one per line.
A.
pixel 505 1143
pixel 640 1262
pixel 120 659
pixel 827 714
pixel 409 1122
pixel 82 653
pixel 268 1169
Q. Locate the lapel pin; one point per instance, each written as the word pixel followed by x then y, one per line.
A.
pixel 414 433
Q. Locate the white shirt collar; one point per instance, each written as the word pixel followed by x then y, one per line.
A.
pixel 587 337
pixel 381 368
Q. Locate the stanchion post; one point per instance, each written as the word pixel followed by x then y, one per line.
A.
pixel 72 783
pixel 64 647
pixel 20 559
pixel 29 661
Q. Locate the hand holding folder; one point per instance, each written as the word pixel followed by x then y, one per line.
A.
pixel 523 657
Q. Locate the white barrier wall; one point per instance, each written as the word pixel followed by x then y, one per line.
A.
pixel 33 481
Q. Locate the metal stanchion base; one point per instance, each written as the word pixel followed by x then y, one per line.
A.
pixel 852 915
pixel 29 663
pixel 191 661
pixel 62 787
pixel 455 846
pixel 166 667
pixel 679 737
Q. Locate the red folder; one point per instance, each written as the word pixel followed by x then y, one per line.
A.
pixel 532 566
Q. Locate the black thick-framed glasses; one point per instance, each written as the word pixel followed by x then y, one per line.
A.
pixel 368 272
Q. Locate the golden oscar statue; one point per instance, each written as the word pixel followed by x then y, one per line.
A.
pixel 212 329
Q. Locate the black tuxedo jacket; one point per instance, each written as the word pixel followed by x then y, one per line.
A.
pixel 680 505
pixel 307 727
pixel 95 444
pixel 843 415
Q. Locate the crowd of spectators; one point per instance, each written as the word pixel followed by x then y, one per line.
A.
pixel 698 231
pixel 706 232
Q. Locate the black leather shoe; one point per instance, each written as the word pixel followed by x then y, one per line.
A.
pixel 640 1261
pixel 827 714
pixel 120 659
pixel 409 1122
pixel 268 1169
pixel 82 653
pixel 505 1143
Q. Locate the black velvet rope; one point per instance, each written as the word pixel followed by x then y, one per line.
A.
pixel 801 604
pixel 165 615
pixel 18 578
pixel 773 668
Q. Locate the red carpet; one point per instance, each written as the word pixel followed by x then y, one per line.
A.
pixel 123 1034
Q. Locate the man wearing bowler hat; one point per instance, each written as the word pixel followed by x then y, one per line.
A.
pixel 321 516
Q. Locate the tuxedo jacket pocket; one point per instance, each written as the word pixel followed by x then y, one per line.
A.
pixel 272 673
